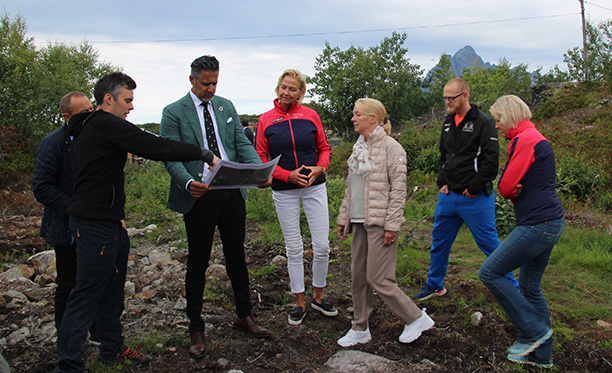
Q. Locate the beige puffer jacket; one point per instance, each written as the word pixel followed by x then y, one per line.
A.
pixel 385 186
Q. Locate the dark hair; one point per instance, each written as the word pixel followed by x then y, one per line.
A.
pixel 112 83
pixel 66 101
pixel 245 122
pixel 204 63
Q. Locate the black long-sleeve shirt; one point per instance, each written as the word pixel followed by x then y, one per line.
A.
pixel 99 151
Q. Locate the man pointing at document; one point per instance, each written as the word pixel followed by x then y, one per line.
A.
pixel 212 122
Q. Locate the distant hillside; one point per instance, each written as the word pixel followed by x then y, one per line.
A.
pixel 464 58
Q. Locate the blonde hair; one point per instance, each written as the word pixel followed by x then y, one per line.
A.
pixel 370 106
pixel 297 75
pixel 510 110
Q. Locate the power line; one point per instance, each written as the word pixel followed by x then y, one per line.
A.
pixel 599 6
pixel 335 32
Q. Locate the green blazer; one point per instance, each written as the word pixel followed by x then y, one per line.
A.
pixel 180 122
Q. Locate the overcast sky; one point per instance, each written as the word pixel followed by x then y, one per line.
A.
pixel 155 41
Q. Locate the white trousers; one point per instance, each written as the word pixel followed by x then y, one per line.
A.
pixel 314 203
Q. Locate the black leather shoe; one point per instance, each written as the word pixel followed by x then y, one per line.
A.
pixel 197 349
pixel 248 324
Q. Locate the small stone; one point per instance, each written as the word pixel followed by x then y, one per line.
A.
pixel 476 318
pixel 180 304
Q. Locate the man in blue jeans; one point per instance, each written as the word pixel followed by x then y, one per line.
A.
pixel 469 161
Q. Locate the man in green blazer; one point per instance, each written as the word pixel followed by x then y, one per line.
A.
pixel 211 122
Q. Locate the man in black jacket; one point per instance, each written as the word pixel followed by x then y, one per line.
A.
pixel 52 186
pixel 469 161
pixel 101 142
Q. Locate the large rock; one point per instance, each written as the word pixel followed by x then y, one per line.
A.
pixel 19 273
pixel 43 262
pixel 19 336
pixel 357 361
pixel 159 257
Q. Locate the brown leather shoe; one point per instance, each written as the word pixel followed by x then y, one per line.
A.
pixel 248 324
pixel 197 349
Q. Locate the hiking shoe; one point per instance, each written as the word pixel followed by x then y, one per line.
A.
pixel 527 360
pixel 413 330
pixel 324 307
pixel 429 292
pixel 355 337
pixel 525 348
pixel 297 316
pixel 128 354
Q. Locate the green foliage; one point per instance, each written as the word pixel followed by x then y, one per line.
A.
pixel 554 75
pixel 335 195
pixel 150 127
pixel 264 272
pixel 15 165
pixel 33 81
pixel 436 80
pixel 487 85
pixel 504 215
pixel 146 189
pixel 382 72
pixel 422 147
pixel 340 155
pixel 259 205
pixel 577 177
pixel 599 54
pixel 568 98
pixel 422 196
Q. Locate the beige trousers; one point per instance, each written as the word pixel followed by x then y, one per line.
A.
pixel 373 268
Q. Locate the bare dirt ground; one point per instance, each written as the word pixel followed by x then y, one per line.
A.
pixel 452 346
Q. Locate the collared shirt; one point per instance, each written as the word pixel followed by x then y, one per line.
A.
pixel 200 110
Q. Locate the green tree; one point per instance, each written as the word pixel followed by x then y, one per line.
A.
pixel 32 82
pixel 554 75
pixel 65 68
pixel 436 80
pixel 599 52
pixel 487 85
pixel 382 72
pixel 18 65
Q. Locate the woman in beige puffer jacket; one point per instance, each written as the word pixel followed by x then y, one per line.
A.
pixel 373 210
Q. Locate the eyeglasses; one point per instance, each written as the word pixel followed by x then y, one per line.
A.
pixel 451 99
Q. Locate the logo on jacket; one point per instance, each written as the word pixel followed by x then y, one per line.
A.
pixel 469 127
pixel 446 127
pixel 278 119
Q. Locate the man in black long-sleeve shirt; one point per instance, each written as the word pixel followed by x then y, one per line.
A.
pixel 101 142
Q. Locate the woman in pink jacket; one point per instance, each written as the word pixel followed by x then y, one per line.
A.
pixel 295 133
pixel 373 210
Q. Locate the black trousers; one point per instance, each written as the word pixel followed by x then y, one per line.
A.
pixel 66 266
pixel 223 209
pixel 65 263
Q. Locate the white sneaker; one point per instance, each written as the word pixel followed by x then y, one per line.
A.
pixel 355 337
pixel 413 330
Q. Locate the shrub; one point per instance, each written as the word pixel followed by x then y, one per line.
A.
pixel 340 155
pixel 421 146
pixel 577 176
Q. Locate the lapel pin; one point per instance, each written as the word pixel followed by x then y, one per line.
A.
pixel 220 108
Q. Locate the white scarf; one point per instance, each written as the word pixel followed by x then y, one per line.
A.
pixel 361 162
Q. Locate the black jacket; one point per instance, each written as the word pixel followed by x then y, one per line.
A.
pixel 99 151
pixel 52 185
pixel 469 153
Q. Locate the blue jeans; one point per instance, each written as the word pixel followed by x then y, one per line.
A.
pixel 102 248
pixel 528 247
pixel 452 210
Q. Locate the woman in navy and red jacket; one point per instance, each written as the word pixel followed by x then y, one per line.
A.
pixel 528 181
pixel 296 134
